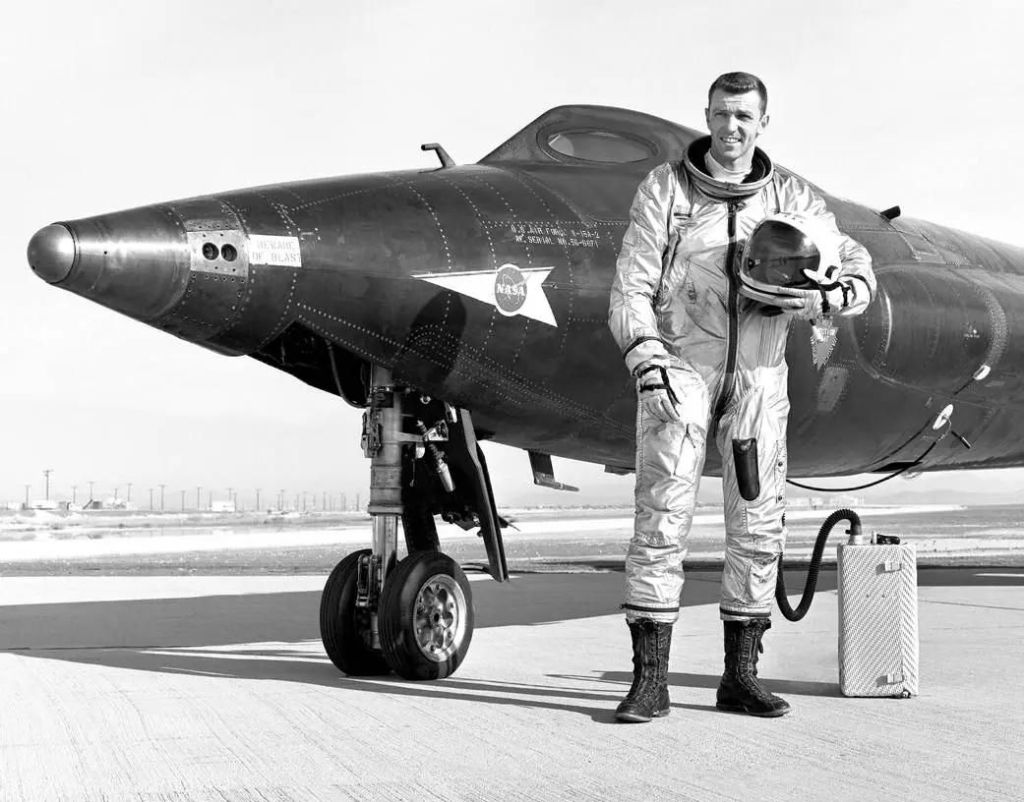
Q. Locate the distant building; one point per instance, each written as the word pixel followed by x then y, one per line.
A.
pixel 222 506
pixel 837 501
pixel 845 500
pixel 109 504
pixel 42 504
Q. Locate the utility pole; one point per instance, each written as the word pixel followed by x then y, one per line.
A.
pixel 209 500
pixel 198 503
pixel 182 500
pixel 46 475
pixel 162 497
pixel 27 488
pixel 231 497
pixel 323 501
pixel 257 499
pixel 74 494
pixel 91 483
pixel 357 502
pixel 151 499
pixel 128 499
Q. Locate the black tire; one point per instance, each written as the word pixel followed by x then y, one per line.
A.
pixel 426 616
pixel 344 628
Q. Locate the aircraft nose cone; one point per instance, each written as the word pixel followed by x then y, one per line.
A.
pixel 51 253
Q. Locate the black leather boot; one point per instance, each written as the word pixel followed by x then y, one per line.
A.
pixel 740 690
pixel 648 696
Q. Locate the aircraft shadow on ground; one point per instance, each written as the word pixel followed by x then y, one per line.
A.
pixel 197 635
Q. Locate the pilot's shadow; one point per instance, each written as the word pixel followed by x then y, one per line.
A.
pixel 296 665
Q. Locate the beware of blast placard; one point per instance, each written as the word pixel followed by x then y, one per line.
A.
pixel 268 250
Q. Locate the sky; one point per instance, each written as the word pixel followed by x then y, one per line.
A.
pixel 111 105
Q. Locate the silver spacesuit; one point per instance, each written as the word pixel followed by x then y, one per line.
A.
pixel 675 304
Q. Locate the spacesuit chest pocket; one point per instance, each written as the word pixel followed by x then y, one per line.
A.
pixel 673 266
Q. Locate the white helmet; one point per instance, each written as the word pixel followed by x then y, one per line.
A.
pixel 788 251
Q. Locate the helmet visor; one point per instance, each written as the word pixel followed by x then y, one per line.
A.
pixel 778 253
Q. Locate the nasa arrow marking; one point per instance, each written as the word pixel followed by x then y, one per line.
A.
pixel 510 289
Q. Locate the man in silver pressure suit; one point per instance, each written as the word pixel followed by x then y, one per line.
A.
pixel 702 322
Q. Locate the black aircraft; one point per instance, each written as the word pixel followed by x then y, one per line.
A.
pixel 467 303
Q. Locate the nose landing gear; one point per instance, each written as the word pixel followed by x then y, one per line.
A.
pixel 414 616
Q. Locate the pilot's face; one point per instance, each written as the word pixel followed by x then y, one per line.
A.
pixel 735 123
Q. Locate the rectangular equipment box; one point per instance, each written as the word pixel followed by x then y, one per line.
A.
pixel 878 643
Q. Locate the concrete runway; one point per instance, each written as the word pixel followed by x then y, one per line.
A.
pixel 217 688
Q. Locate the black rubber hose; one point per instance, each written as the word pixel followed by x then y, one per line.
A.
pixel 815 566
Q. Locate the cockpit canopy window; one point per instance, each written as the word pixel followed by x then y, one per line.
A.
pixel 599 146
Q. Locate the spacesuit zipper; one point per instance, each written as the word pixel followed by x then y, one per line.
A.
pixel 731 343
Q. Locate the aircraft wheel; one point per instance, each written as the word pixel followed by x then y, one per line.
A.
pixel 426 616
pixel 344 628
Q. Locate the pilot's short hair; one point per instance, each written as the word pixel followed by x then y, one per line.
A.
pixel 736 83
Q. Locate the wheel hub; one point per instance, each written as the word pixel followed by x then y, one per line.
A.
pixel 439 617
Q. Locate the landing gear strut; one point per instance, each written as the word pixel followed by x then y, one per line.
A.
pixel 413 616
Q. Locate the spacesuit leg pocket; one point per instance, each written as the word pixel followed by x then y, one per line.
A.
pixel 744 455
